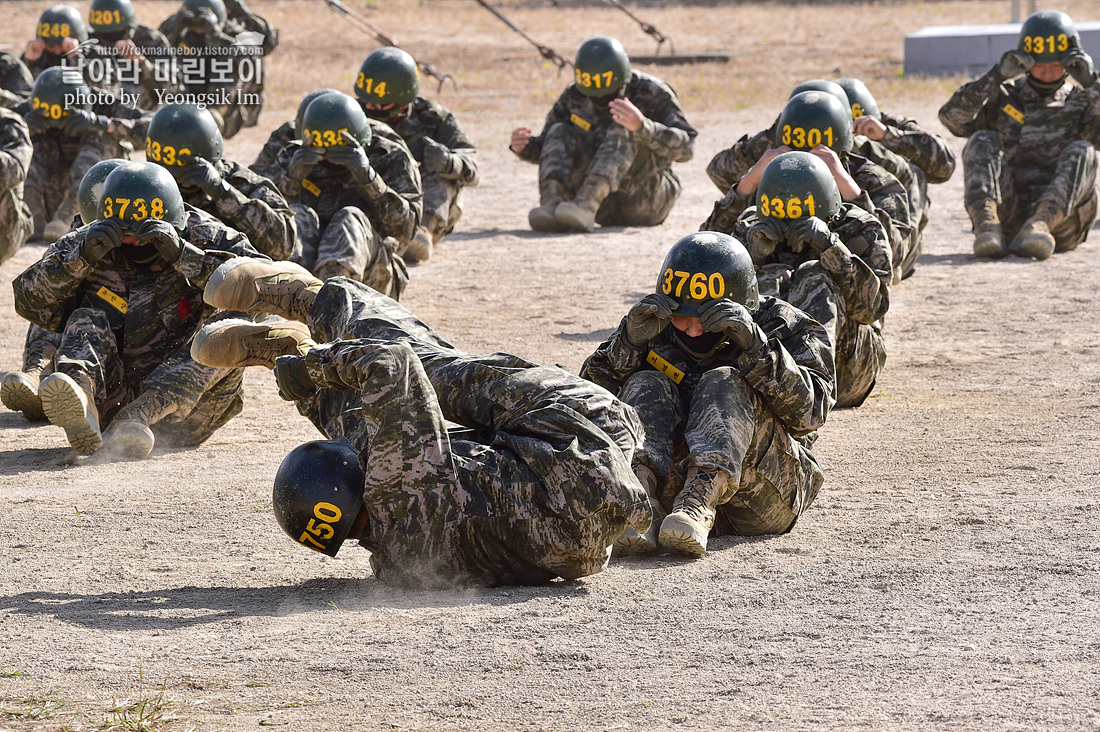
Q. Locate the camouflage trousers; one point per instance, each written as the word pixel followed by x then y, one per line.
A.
pixel 53 179
pixel 919 206
pixel 205 398
pixel 16 222
pixel 642 192
pixel 539 485
pixel 40 349
pixel 1017 193
pixel 859 348
pixel 727 427
pixel 348 245
pixel 442 204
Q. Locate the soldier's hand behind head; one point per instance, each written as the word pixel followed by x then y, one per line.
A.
pixel 36 123
pixel 1014 63
pixel 723 315
pixel 163 236
pixel 352 156
pixel 80 121
pixel 34 49
pixel 811 232
pixel 763 237
pixel 100 238
pixel 1079 65
pixel 304 160
pixel 198 172
pixel 437 158
pixel 292 377
pixel 648 318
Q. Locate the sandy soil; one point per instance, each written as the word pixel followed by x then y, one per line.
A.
pixel 946 579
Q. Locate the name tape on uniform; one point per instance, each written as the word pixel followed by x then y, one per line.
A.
pixel 114 300
pixel 311 186
pixel 1014 113
pixel 665 367
pixel 580 122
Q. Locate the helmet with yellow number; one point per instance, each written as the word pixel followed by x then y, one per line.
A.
pixel 134 192
pixel 217 7
pixel 111 16
pixel 824 85
pixel 179 132
pixel 815 118
pixel 797 185
pixel 56 91
pixel 859 98
pixel 91 188
pixel 302 108
pixel 330 115
pixel 602 67
pixel 388 76
pixel 60 22
pixel 1048 34
pixel 318 493
pixel 705 266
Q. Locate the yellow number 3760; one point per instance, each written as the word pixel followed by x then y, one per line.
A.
pixel 700 286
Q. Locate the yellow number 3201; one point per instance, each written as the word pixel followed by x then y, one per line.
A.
pixel 700 286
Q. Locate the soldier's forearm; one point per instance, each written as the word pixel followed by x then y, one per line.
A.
pixel 799 397
pixel 670 142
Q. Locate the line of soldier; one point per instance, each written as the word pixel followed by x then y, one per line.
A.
pixel 696 417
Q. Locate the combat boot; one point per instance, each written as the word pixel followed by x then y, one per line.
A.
pixel 55 230
pixel 256 285
pixel 236 343
pixel 988 241
pixel 632 541
pixel 685 530
pixel 420 248
pixel 580 213
pixel 551 193
pixel 1035 239
pixel 69 403
pixel 129 435
pixel 19 389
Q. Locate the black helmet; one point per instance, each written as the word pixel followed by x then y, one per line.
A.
pixel 797 185
pixel 831 87
pixel 602 67
pixel 91 188
pixel 134 192
pixel 318 493
pixel 704 266
pixel 302 108
pixel 388 76
pixel 815 118
pixel 178 131
pixel 111 16
pixel 51 89
pixel 217 7
pixel 1046 35
pixel 863 104
pixel 330 114
pixel 60 22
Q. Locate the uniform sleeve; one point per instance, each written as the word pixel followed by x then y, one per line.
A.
pixel 208 244
pixel 864 279
pixel 252 22
pixel 463 152
pixel 613 362
pixel 730 165
pixel 15 151
pixel 558 113
pixel 927 151
pixel 45 291
pixel 961 113
pixel 267 161
pixel 254 205
pixel 727 211
pixel 666 131
pixel 889 202
pixel 395 195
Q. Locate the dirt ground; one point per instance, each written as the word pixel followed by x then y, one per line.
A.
pixel 948 577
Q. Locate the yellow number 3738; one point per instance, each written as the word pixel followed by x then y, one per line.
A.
pixel 700 286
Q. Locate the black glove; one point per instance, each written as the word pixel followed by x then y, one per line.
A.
pixel 80 121
pixel 205 22
pixel 1012 64
pixel 733 319
pixel 293 379
pixel 163 236
pixel 648 318
pixel 304 160
pixel 437 158
pixel 1079 65
pixel 352 156
pixel 763 237
pixel 100 238
pixel 199 172
pixel 36 123
pixel 811 232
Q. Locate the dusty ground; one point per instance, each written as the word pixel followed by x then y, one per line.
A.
pixel 946 579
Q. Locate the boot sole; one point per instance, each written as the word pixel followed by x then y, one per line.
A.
pixel 989 248
pixel 18 396
pixel 632 543
pixel 64 407
pixel 546 222
pixel 567 217
pixel 218 277
pixel 1038 248
pixel 134 443
pixel 683 537
pixel 417 252
pixel 249 330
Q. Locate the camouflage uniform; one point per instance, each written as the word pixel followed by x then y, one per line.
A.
pixel 442 191
pixel 253 205
pixel 148 347
pixel 47 60
pixel 141 81
pixel 1026 147
pixel 882 191
pixel 538 487
pixel 847 293
pixel 356 228
pixel 16 82
pixel 266 161
pixel 579 139
pixel 752 415
pixel 15 159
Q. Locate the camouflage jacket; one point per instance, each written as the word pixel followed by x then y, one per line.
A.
pixel 46 61
pixel 392 201
pixel 793 371
pixel 253 205
pixel 15 154
pixel 163 302
pixel 266 161
pixel 16 82
pixel 1034 127
pixel 665 132
pixel 864 279
pixel 152 44
pixel 427 119
pixel 239 19
pixel 920 147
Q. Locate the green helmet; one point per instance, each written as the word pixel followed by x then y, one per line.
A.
pixel 330 114
pixel 797 185
pixel 215 6
pixel 51 89
pixel 302 108
pixel 318 493
pixel 822 85
pixel 111 16
pixel 704 266
pixel 60 22
pixel 863 104
pixel 1046 35
pixel 179 131
pixel 602 67
pixel 388 76
pixel 91 188
pixel 815 118
pixel 134 192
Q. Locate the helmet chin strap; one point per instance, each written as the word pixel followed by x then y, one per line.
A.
pixel 1046 87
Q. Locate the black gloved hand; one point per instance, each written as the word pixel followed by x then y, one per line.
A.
pixel 352 156
pixel 163 236
pixel 36 122
pixel 293 379
pixel 648 318
pixel 100 238
pixel 303 161
pixel 437 158
pixel 1079 65
pixel 1013 63
pixel 763 237
pixel 198 172
pixel 811 232
pixel 80 121
pixel 723 315
pixel 205 22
